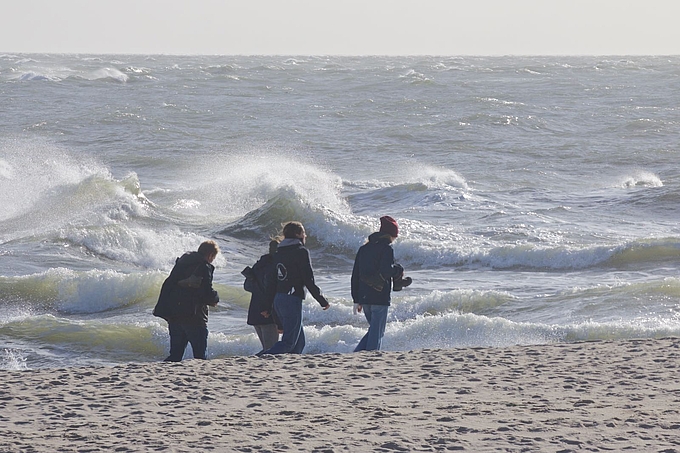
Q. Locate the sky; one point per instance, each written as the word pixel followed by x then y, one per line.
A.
pixel 342 27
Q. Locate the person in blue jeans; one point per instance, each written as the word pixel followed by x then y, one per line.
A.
pixel 374 275
pixel 294 273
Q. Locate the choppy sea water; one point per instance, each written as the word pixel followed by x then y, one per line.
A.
pixel 537 197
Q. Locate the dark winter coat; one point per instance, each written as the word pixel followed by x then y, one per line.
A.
pixel 293 272
pixel 187 292
pixel 374 270
pixel 256 283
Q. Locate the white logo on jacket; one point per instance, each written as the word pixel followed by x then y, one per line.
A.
pixel 281 272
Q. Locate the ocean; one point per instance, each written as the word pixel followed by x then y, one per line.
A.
pixel 537 197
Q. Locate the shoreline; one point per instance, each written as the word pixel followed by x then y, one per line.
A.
pixel 588 396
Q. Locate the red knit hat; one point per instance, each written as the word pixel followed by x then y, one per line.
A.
pixel 389 225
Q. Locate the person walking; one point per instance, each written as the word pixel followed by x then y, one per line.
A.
pixel 374 275
pixel 293 273
pixel 260 310
pixel 184 299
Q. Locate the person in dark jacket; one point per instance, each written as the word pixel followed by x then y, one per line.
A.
pixel 260 311
pixel 374 274
pixel 293 273
pixel 184 300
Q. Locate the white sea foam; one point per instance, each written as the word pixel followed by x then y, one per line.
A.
pixel 68 291
pixel 640 179
pixel 146 247
pixel 449 330
pixel 32 169
pixel 232 187
pixel 35 76
pixel 107 74
pixel 12 359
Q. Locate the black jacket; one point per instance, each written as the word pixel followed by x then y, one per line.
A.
pixel 187 292
pixel 293 272
pixel 256 282
pixel 373 271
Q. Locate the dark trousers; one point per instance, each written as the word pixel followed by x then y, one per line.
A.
pixel 183 333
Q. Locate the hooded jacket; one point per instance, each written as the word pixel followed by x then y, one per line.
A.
pixel 373 271
pixel 293 272
pixel 187 292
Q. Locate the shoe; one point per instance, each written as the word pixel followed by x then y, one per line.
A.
pixel 401 283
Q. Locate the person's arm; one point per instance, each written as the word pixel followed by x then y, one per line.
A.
pixel 208 295
pixel 308 279
pixel 355 285
pixel 388 268
pixel 355 278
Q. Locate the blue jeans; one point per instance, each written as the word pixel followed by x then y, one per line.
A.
pixel 289 310
pixel 376 315
pixel 181 334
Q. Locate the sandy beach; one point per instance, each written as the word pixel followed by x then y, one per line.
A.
pixel 592 396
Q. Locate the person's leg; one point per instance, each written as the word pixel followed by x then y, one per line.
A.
pixel 289 310
pixel 300 345
pixel 178 342
pixel 198 337
pixel 376 328
pixel 362 343
pixel 270 335
pixel 260 336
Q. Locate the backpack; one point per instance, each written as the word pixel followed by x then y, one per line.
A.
pixel 177 299
pixel 249 282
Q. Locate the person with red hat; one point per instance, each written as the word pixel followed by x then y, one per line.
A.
pixel 374 275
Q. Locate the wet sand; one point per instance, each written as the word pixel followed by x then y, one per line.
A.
pixel 590 396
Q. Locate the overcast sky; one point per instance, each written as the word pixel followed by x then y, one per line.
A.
pixel 342 27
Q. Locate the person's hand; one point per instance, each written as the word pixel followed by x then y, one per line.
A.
pixel 323 302
pixel 358 308
pixel 400 271
pixel 265 314
pixel 355 309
